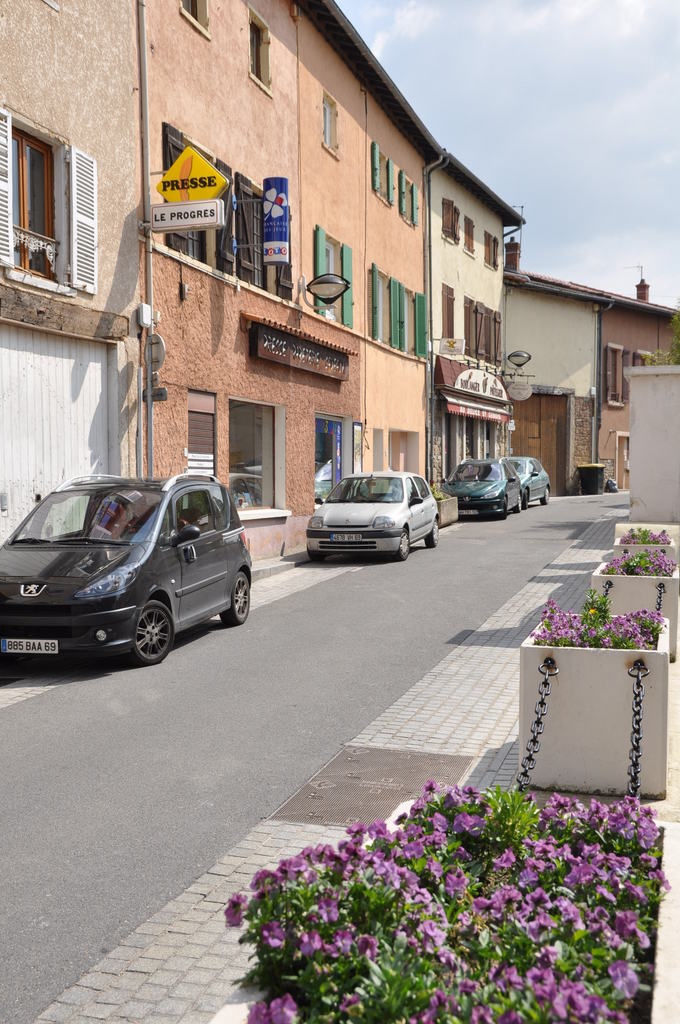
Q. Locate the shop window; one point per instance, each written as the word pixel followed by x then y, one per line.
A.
pixel 259 50
pixel 197 10
pixel 327 455
pixel 201 432
pixel 48 209
pixel 469 228
pixel 251 454
pixel 450 220
pixel 330 122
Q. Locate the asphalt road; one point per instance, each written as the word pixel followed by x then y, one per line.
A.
pixel 119 787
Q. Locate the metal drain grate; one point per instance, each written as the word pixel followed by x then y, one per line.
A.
pixel 367 783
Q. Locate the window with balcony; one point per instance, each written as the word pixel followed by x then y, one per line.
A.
pixel 48 210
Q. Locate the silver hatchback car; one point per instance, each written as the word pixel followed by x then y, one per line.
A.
pixel 374 513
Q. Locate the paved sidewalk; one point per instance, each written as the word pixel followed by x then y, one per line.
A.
pixel 181 966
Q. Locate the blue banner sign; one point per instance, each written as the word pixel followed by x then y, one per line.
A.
pixel 276 227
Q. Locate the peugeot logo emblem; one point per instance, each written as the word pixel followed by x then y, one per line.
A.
pixel 32 589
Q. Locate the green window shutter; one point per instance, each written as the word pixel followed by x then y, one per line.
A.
pixel 375 166
pixel 347 298
pixel 402 193
pixel 375 285
pixel 319 251
pixel 414 202
pixel 402 318
pixel 394 313
pixel 390 182
pixel 421 325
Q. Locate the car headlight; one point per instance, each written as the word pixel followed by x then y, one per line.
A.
pixel 495 492
pixel 316 523
pixel 383 523
pixel 113 583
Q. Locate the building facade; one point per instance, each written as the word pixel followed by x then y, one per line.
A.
pixel 469 406
pixel 266 386
pixel 68 248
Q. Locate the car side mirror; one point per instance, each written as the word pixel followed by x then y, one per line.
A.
pixel 187 533
pixel 415 500
pixel 318 500
pixel 534 472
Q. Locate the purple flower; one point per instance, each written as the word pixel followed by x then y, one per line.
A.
pixel 367 946
pixel 506 860
pixel 455 882
pixel 433 936
pixel 283 1010
pixel 328 910
pixel 233 911
pixel 259 1014
pixel 623 978
pixel 273 934
pixel 310 943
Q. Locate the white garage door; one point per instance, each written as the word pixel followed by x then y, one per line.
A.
pixel 53 416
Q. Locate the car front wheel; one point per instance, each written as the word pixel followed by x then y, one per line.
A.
pixel 404 548
pixel 546 497
pixel 525 499
pixel 237 613
pixel 518 507
pixel 432 538
pixel 154 634
pixel 315 556
pixel 504 510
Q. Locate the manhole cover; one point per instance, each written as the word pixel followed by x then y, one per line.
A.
pixel 366 784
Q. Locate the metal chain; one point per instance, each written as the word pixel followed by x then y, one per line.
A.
pixel 607 586
pixel 547 670
pixel 638 672
pixel 660 591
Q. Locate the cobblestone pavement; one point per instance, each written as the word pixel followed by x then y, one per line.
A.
pixel 182 965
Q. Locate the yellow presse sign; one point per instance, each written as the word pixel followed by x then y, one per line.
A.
pixel 191 177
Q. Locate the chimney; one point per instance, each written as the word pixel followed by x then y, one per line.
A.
pixel 642 290
pixel 512 250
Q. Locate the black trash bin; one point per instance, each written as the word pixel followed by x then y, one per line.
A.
pixel 592 478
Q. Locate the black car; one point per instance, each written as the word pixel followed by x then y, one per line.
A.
pixel 485 485
pixel 109 565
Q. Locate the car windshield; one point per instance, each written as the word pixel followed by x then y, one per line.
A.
pixel 106 515
pixel 468 471
pixel 368 489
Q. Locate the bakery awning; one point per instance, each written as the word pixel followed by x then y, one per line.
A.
pixel 477 412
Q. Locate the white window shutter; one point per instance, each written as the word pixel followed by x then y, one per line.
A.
pixel 83 221
pixel 6 228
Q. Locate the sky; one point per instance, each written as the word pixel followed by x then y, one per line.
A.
pixel 566 109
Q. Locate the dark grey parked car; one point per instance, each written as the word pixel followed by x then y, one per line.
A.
pixel 485 485
pixel 109 565
pixel 534 479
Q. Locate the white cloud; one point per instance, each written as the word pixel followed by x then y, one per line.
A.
pixel 568 107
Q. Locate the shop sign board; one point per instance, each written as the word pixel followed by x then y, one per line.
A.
pixel 519 390
pixel 276 221
pixel 192 216
pixel 300 353
pixel 191 177
pixel 480 384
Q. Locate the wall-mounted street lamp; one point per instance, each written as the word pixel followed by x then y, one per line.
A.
pixel 519 358
pixel 326 288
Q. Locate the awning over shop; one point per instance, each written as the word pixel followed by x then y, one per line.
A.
pixel 477 412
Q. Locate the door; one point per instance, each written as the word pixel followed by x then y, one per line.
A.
pixel 541 433
pixel 327 455
pixel 204 563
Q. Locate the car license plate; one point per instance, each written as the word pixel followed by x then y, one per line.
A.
pixel 29 646
pixel 346 538
pixel 467 512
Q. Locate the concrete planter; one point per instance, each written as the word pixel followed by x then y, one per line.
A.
pixel 586 737
pixel 654 432
pixel 673 531
pixel 631 593
pixel 668 549
pixel 448 511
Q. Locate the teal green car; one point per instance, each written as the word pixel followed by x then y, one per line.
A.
pixel 534 479
pixel 485 486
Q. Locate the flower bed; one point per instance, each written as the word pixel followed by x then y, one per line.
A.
pixel 643 562
pixel 479 909
pixel 643 535
pixel 644 578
